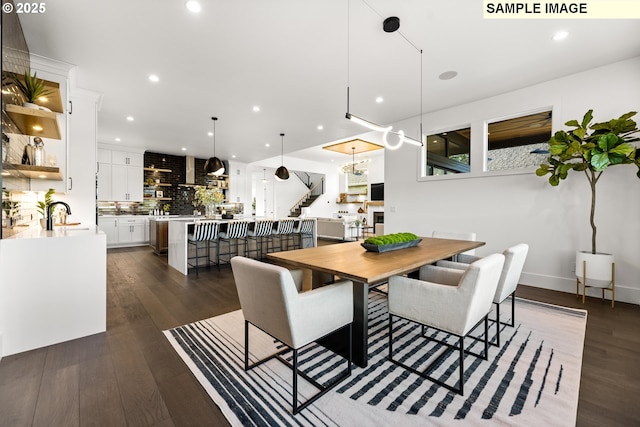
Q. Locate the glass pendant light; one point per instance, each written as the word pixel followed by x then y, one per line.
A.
pixel 282 174
pixel 214 165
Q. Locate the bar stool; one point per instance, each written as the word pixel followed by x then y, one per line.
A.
pixel 285 231
pixel 235 232
pixel 204 232
pixel 262 229
pixel 305 230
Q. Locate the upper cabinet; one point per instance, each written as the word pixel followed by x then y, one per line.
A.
pixel 120 175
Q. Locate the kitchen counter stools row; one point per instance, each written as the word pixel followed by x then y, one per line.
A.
pixel 211 242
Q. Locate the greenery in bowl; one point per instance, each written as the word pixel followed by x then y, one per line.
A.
pixel 391 238
pixel 32 87
pixel 591 148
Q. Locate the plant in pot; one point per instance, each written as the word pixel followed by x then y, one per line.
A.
pixel 42 206
pixel 592 149
pixel 10 209
pixel 209 198
pixel 32 88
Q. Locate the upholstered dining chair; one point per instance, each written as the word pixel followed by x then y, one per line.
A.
pixel 515 257
pixel 270 301
pixel 452 301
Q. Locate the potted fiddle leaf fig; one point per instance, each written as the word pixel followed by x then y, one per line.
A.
pixel 591 149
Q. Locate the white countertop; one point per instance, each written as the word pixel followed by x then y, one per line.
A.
pixel 58 231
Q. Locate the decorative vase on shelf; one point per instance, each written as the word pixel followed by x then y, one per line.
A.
pixel 210 211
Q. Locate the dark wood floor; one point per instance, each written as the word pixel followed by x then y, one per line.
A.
pixel 130 375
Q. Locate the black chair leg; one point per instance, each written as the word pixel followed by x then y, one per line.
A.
pixel 246 345
pixel 498 324
pixel 461 344
pixel 295 381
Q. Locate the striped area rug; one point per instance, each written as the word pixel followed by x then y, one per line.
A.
pixel 532 380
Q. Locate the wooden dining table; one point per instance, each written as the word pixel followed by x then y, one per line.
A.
pixel 351 261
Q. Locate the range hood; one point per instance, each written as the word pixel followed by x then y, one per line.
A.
pixel 190 176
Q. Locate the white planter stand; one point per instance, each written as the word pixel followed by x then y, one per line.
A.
pixel 595 271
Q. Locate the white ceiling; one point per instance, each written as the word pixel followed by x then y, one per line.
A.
pixel 290 58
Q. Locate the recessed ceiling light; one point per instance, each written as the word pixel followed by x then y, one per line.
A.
pixel 256 108
pixel 193 6
pixel 320 127
pixel 130 118
pixel 184 149
pixel 154 78
pixel 118 139
pixel 209 133
pixel 233 156
pixel 37 128
pixel 42 176
pixel 267 145
pixel 379 100
pixel 448 75
pixel 560 35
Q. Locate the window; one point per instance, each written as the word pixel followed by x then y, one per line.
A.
pixel 448 152
pixel 520 142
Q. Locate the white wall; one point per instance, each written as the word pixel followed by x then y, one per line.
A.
pixel 508 209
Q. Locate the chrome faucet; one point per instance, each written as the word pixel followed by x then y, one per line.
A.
pixel 50 209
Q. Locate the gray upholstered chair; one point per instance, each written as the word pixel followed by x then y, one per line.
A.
pixel 453 301
pixel 515 257
pixel 271 302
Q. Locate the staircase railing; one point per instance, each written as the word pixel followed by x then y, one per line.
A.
pixel 316 190
pixel 304 177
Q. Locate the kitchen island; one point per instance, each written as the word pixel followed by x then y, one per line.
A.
pixel 179 250
pixel 54 287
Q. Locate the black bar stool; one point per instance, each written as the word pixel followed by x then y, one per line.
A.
pixel 235 232
pixel 204 233
pixel 262 229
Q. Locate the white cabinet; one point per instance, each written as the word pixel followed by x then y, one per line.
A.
pixel 109 225
pixel 132 230
pixel 82 140
pixel 123 230
pixel 120 175
pixel 104 181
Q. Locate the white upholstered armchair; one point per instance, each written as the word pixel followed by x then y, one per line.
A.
pixel 515 257
pixel 271 302
pixel 453 301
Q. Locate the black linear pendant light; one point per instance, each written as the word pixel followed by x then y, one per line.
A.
pixel 214 165
pixel 282 174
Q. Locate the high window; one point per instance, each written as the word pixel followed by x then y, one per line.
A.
pixel 448 152
pixel 519 142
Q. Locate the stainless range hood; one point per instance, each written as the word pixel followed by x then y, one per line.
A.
pixel 190 176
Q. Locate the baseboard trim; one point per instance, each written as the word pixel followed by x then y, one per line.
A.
pixel 623 293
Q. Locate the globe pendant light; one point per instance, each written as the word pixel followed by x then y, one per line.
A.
pixel 214 165
pixel 282 174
